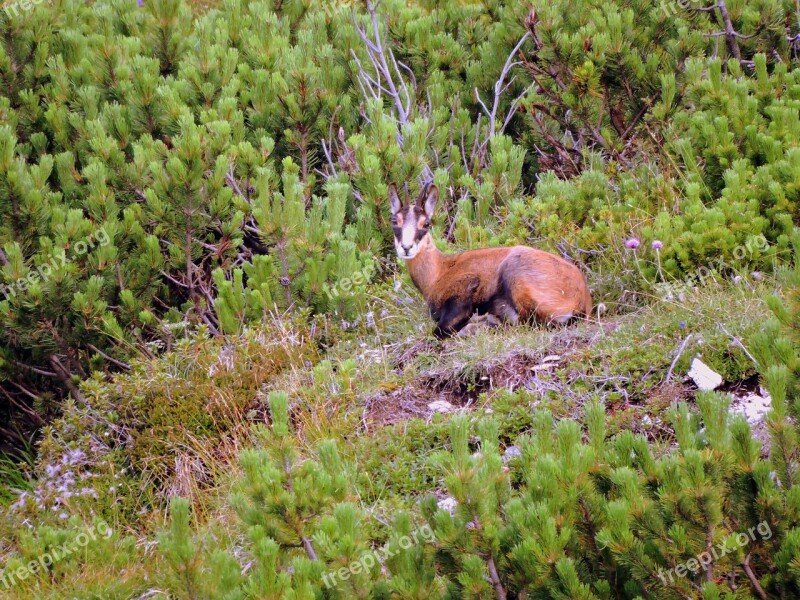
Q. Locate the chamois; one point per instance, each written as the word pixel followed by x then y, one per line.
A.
pixel 511 284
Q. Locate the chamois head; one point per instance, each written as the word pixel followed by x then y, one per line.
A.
pixel 411 223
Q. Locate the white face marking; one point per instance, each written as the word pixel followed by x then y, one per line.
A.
pixel 407 246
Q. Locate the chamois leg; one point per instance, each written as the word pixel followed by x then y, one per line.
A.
pixel 508 313
pixel 529 307
pixel 560 319
pixel 478 322
pixel 446 329
pixel 500 309
pixel 452 318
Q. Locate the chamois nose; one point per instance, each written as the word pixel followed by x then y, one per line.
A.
pixel 407 249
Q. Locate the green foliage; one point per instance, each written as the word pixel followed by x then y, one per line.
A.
pixel 157 169
pixel 607 504
pixel 291 494
pixel 15 473
pixel 580 510
pixel 398 458
pixel 738 148
pixel 55 555
pixel 194 578
pixel 169 183
pixel 166 423
pixel 776 348
pixel 599 68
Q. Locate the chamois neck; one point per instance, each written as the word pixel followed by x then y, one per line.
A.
pixel 427 266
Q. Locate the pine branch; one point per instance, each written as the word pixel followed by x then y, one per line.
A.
pixel 63 375
pixel 752 577
pixel 495 578
pixel 36 370
pixel 677 357
pixel 709 545
pixel 230 179
pixel 387 70
pixel 737 342
pixel 34 416
pixel 110 359
pixel 729 33
pixel 309 548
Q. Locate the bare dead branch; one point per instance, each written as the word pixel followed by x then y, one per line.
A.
pixel 500 86
pixel 730 32
pixel 110 359
pixel 381 56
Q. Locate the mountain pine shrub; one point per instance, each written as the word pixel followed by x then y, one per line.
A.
pixel 573 513
pixel 162 175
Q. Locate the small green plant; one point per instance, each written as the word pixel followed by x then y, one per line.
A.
pixel 16 472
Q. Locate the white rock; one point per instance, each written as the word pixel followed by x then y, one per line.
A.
pixel 442 406
pixel 703 376
pixel 753 407
pixel 548 362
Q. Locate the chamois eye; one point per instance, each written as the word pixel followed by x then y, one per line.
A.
pixel 427 223
pixel 394 219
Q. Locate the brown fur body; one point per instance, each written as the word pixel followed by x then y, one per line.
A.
pixel 513 284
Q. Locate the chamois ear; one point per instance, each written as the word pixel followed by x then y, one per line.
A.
pixel 394 199
pixel 427 200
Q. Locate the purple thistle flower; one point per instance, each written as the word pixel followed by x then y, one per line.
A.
pixel 632 243
pixel 682 324
pixel 657 245
pixel 139 2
